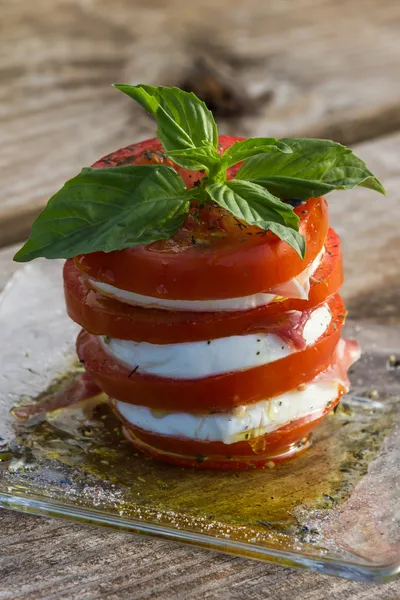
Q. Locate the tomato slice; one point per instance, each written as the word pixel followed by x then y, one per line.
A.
pixel 265 451
pixel 213 256
pixel 150 152
pixel 101 315
pixel 220 392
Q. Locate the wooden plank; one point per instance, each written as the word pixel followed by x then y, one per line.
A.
pixel 47 559
pixel 52 560
pixel 276 68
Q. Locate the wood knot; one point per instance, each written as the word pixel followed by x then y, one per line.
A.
pixel 224 94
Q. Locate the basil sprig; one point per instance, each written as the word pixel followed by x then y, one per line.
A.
pixel 120 207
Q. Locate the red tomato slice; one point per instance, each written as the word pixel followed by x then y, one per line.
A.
pixel 213 256
pixel 150 152
pixel 105 316
pixel 275 447
pixel 220 392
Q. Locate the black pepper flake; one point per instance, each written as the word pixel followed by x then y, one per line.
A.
pixel 258 353
pixel 200 458
pixel 240 225
pixel 148 154
pixel 133 371
pixel 247 435
pixel 81 361
pixel 193 240
pixel 209 342
pixel 369 432
pixel 265 523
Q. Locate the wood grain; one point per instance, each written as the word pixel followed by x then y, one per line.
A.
pixel 315 67
pixel 51 560
pixel 47 559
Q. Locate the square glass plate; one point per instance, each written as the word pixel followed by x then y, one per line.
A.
pixel 334 509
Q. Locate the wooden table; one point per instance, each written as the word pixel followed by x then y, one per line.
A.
pixel 322 68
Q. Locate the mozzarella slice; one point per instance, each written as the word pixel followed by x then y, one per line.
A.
pixel 192 360
pixel 245 422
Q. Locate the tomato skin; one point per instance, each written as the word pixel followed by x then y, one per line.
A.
pixel 101 315
pixel 233 264
pixel 150 151
pixel 220 392
pixel 275 447
pixel 253 265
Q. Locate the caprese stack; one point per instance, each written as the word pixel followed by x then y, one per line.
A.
pixel 217 339
pixel 218 347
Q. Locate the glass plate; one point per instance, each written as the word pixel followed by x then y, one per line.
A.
pixel 334 509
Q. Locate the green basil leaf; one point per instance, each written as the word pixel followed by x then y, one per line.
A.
pixel 183 120
pixel 256 206
pixel 315 167
pixel 245 149
pixel 195 159
pixel 109 209
pixel 291 237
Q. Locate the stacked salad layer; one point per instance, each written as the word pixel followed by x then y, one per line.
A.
pixel 205 277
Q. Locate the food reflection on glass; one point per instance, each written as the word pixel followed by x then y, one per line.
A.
pixel 205 277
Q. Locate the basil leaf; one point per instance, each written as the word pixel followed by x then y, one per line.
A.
pixel 245 149
pixel 256 206
pixel 205 157
pixel 315 167
pixel 109 209
pixel 183 120
pixel 292 237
